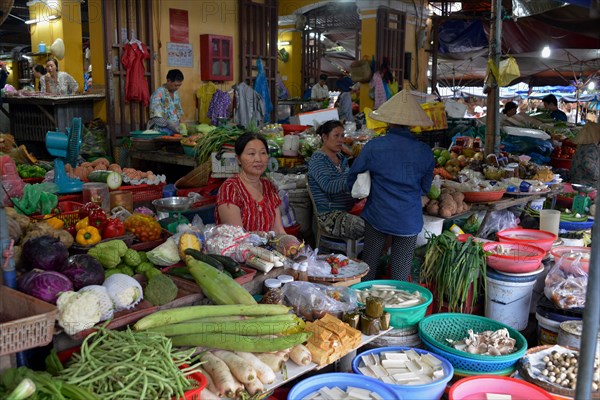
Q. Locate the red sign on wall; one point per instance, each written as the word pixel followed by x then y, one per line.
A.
pixel 178 25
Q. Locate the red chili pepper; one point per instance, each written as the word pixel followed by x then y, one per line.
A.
pixel 87 208
pixel 97 219
pixel 114 228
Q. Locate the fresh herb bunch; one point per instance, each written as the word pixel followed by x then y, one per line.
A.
pixel 452 268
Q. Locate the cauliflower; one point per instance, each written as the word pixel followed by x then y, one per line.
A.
pixel 105 303
pixel 124 291
pixel 78 311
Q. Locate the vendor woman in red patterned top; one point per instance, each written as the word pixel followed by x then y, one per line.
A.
pixel 248 199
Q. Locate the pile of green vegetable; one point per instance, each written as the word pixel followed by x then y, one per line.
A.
pixel 453 271
pixel 127 365
pixel 117 258
pixel 215 139
pixel 30 171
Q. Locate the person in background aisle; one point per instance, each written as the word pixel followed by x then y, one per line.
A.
pixel 510 109
pixel 165 106
pixel 248 199
pixel 3 77
pixel 585 167
pixel 345 100
pixel 328 181
pixel 38 71
pixel 401 171
pixel 57 82
pixel 551 104
pixel 320 91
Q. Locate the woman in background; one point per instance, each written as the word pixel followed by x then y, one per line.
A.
pixel 401 170
pixel 57 82
pixel 38 71
pixel 248 199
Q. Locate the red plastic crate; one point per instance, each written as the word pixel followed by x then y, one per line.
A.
pixel 144 192
pixel 68 213
pixel 292 129
pixel 77 197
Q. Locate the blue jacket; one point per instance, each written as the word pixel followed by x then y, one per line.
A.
pixel 401 171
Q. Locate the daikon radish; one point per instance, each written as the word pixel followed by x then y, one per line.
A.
pixel 300 355
pixel 263 371
pixel 240 392
pixel 254 387
pixel 206 394
pixel 274 361
pixel 220 374
pixel 210 384
pixel 240 368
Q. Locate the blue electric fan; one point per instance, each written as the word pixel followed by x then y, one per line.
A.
pixel 65 147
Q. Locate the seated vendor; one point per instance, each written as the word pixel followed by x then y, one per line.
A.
pixel 320 91
pixel 327 178
pixel 57 82
pixel 165 106
pixel 248 199
pixel 551 104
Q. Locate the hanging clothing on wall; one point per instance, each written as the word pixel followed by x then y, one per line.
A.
pixel 376 85
pixel 262 87
pixel 219 107
pixel 204 97
pixel 249 105
pixel 136 85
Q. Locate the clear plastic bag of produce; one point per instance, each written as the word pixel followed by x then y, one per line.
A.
pixel 566 282
pixel 231 241
pixel 316 267
pixel 498 221
pixel 312 301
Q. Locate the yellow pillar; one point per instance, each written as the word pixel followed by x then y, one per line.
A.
pixel 368 48
pixel 97 53
pixel 59 19
pixel 291 71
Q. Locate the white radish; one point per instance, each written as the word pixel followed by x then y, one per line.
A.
pixel 300 355
pixel 220 374
pixel 263 371
pixel 285 355
pixel 210 384
pixel 274 361
pixel 254 387
pixel 206 394
pixel 240 391
pixel 240 368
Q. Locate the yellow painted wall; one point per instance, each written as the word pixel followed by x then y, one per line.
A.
pixel 97 53
pixel 291 71
pixel 368 49
pixel 204 17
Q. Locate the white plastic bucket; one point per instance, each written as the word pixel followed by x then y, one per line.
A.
pixel 537 204
pixel 508 300
pixel 430 225
pixel 547 330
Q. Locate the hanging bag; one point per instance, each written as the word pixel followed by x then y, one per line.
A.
pixel 360 70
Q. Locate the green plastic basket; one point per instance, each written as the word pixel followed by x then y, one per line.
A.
pixel 438 327
pixel 402 317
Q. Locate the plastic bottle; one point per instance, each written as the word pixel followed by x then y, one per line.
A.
pixel 303 272
pixel 295 271
pixel 273 294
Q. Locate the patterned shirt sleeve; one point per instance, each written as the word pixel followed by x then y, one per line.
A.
pixel 156 104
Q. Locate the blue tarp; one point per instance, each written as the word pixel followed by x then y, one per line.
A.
pixel 460 36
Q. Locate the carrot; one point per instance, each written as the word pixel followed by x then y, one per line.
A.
pixel 220 374
pixel 274 361
pixel 263 371
pixel 239 367
pixel 300 355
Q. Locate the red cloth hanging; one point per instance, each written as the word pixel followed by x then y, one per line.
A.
pixel 136 85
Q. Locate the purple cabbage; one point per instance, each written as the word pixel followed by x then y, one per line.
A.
pixel 44 252
pixel 44 285
pixel 83 270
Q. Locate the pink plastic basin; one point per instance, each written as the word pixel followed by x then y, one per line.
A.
pixel 476 388
pixel 567 262
pixel 541 239
pixel 523 258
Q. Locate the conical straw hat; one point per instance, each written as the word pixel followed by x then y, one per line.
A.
pixel 402 109
pixel 58 49
pixel 590 134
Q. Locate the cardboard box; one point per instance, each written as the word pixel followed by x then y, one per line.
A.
pixel 224 164
pixel 315 117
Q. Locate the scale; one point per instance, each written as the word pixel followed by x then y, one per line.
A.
pixel 65 147
pixel 582 202
pixel 169 211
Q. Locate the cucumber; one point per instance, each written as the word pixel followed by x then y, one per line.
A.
pixel 181 272
pixel 229 263
pixel 111 178
pixel 205 258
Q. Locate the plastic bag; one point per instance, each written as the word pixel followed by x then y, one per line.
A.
pixel 94 142
pixel 312 301
pixel 566 283
pixel 360 71
pixel 508 71
pixel 498 221
pixel 315 267
pixel 288 215
pixel 11 182
pixel 362 185
pixel 228 240
pixel 39 197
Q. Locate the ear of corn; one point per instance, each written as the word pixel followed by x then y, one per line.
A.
pixel 188 241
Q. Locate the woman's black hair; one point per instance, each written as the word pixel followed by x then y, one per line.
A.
pixel 242 142
pixel 39 68
pixel 511 105
pixel 55 61
pixel 326 127
pixel 175 75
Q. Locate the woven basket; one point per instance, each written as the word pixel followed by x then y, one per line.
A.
pixel 197 177
pixel 436 328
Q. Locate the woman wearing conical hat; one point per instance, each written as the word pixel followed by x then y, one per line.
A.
pixel 401 170
pixel 585 167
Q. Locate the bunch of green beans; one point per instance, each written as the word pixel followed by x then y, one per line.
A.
pixel 126 365
pixel 215 139
pixel 452 269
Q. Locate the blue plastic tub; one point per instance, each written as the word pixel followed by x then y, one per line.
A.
pixel 576 226
pixel 341 380
pixel 429 391
pixel 402 317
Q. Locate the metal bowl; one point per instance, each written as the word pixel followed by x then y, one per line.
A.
pixel 172 204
